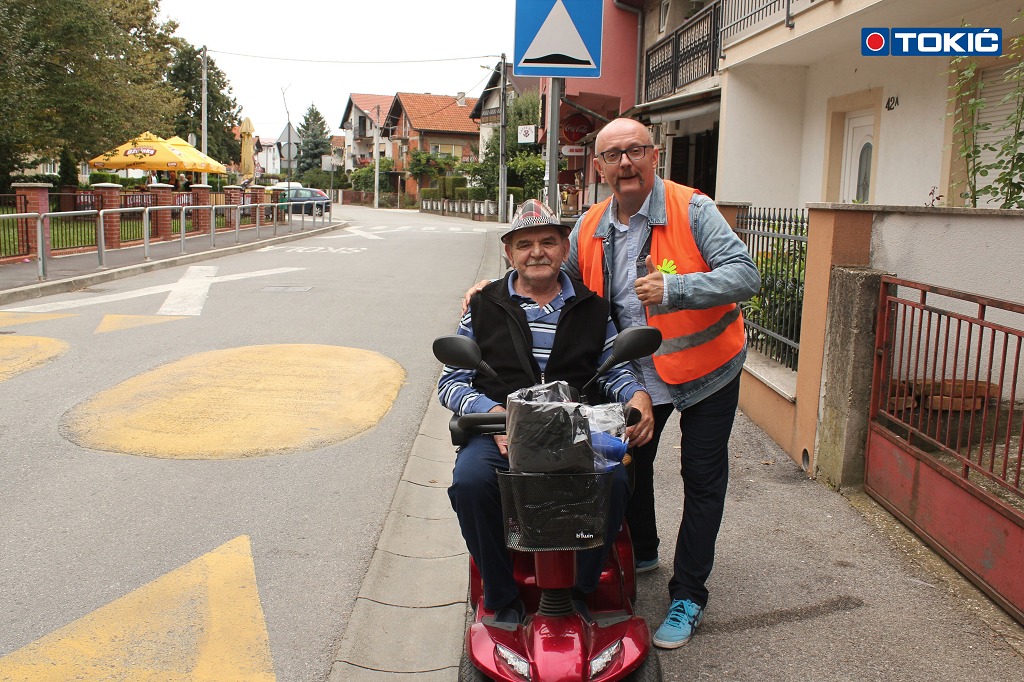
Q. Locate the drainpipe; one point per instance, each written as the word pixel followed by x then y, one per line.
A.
pixel 640 21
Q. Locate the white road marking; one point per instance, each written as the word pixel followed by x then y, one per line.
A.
pixel 455 229
pixel 479 229
pixel 315 249
pixel 359 233
pixel 195 278
pixel 189 294
pixel 429 229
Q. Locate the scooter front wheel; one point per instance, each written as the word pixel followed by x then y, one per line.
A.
pixel 470 673
pixel 649 670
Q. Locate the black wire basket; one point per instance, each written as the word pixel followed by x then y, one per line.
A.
pixel 552 512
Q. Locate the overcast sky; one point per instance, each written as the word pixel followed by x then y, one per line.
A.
pixel 343 30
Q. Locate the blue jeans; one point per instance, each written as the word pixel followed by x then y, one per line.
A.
pixel 477 502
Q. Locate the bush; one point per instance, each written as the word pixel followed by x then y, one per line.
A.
pixel 478 193
pixel 430 194
pixel 516 192
pixel 408 200
pixel 461 193
pixel 97 177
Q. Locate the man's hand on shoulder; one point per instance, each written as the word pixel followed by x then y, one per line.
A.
pixel 473 290
pixel 641 432
pixel 501 439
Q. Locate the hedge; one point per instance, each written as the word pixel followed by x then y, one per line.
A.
pixel 516 192
pixel 478 193
pixel 429 194
pixel 461 193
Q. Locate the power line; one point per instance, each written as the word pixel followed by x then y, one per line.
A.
pixel 333 61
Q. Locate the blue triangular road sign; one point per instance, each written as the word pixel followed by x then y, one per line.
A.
pixel 558 38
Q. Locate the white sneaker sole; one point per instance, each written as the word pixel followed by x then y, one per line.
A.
pixel 648 569
pixel 670 645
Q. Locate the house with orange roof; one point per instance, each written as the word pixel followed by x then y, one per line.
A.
pixel 438 124
pixel 363 114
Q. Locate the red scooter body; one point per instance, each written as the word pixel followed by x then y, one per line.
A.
pixel 560 648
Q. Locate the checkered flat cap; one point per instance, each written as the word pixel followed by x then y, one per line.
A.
pixel 531 214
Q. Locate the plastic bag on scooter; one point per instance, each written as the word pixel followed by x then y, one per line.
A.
pixel 607 434
pixel 547 432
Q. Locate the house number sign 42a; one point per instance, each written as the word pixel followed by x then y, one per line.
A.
pixel 892 103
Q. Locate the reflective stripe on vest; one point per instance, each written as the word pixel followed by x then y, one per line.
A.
pixel 696 342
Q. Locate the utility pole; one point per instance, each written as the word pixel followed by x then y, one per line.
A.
pixel 376 161
pixel 502 156
pixel 204 108
pixel 288 114
pixel 554 100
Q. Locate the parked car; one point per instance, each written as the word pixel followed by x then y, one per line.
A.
pixel 285 185
pixel 298 198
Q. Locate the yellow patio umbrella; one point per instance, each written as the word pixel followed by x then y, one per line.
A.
pixel 201 161
pixel 248 149
pixel 146 152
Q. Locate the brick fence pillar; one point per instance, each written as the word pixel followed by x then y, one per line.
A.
pixel 164 219
pixel 258 195
pixel 276 197
pixel 110 197
pixel 37 200
pixel 201 218
pixel 233 196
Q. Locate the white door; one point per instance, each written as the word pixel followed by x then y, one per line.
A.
pixel 858 148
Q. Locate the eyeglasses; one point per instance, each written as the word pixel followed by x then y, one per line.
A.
pixel 634 153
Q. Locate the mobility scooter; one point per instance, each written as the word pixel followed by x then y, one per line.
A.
pixel 548 518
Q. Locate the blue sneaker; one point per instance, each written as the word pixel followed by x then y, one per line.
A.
pixel 649 565
pixel 683 618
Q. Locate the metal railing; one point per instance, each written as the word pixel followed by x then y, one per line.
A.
pixel 739 15
pixel 69 228
pixel 776 239
pixel 467 208
pixel 949 381
pixel 132 228
pixel 690 53
pixel 44 221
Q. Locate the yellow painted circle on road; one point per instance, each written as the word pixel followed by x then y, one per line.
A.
pixel 21 353
pixel 241 402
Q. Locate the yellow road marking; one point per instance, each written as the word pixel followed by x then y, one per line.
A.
pixel 240 402
pixel 113 323
pixel 9 319
pixel 199 623
pixel 21 353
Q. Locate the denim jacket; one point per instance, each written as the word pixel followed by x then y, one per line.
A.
pixel 733 277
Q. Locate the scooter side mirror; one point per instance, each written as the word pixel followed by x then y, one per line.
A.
pixel 630 344
pixel 462 352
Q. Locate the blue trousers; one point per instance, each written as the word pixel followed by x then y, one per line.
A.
pixel 477 502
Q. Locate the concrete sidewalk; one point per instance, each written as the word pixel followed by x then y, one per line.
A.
pixel 811 585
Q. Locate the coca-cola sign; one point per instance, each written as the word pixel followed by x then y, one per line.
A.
pixel 576 127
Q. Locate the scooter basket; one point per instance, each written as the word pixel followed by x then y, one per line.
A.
pixel 551 512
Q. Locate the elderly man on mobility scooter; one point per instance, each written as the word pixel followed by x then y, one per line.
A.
pixel 570 334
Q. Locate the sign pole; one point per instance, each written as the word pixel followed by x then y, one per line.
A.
pixel 554 100
pixel 502 156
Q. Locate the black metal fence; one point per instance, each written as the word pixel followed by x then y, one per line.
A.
pixel 14 233
pixel 688 54
pixel 776 239
pixel 74 231
pixel 132 221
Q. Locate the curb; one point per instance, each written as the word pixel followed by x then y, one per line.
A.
pixel 409 619
pixel 61 286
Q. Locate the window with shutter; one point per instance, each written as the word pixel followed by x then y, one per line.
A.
pixel 994 114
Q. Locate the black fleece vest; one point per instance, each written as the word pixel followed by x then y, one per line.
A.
pixel 575 355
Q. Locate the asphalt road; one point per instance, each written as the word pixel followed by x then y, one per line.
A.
pixel 80 528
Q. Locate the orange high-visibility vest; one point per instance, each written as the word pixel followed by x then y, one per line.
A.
pixel 694 342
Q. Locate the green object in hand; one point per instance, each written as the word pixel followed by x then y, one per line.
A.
pixel 667 267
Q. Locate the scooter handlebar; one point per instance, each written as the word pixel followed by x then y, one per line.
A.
pixel 483 422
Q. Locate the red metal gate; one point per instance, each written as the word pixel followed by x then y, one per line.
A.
pixel 945 447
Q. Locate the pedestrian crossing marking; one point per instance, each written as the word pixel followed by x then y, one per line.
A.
pixel 202 622
pixel 114 323
pixel 479 229
pixel 455 229
pixel 21 353
pixel 10 319
pixel 429 229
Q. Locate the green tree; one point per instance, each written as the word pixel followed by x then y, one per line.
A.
pixel 222 110
pixel 314 140
pixel 523 110
pixel 362 179
pixel 62 65
pixel 68 168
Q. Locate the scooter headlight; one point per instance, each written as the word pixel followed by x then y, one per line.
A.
pixel 513 660
pixel 603 659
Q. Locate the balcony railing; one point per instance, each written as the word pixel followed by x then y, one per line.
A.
pixel 687 55
pixel 739 15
